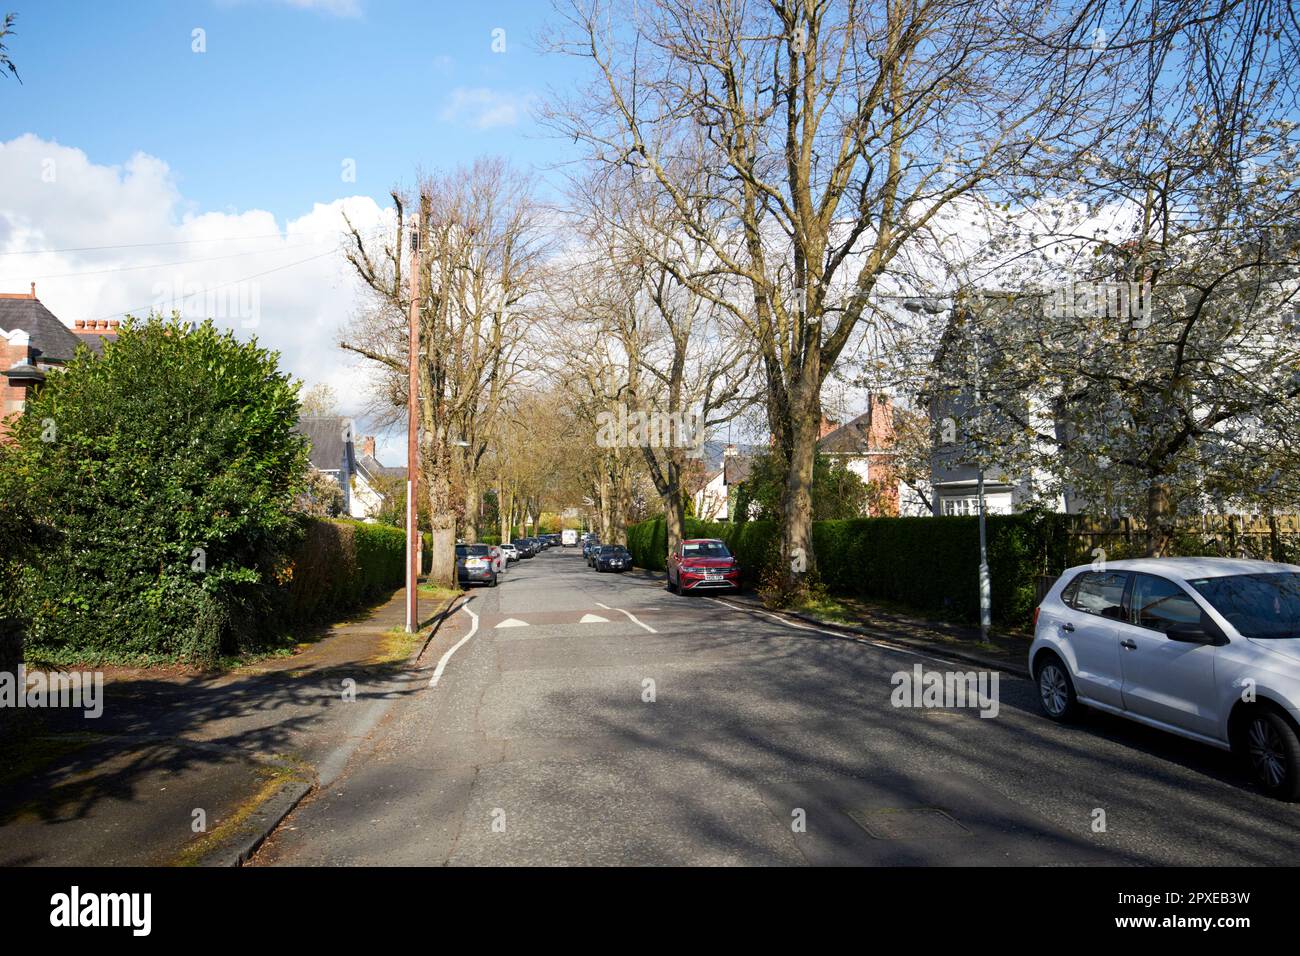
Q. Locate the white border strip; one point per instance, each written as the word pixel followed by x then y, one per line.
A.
pixel 630 616
pixel 442 664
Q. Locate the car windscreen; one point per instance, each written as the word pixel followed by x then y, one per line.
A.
pixel 1265 605
pixel 613 549
pixel 705 549
pixel 472 551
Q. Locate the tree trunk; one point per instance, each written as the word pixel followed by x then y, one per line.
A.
pixel 1160 520
pixel 473 502
pixel 505 513
pixel 442 553
pixel 796 533
pixel 674 511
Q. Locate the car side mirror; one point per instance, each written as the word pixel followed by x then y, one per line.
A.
pixel 1202 632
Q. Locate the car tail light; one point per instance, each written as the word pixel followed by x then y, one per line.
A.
pixel 1036 610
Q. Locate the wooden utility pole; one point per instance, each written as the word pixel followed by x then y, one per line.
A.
pixel 413 445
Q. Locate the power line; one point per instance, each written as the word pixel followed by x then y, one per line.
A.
pixel 206 289
pixel 157 265
pixel 141 245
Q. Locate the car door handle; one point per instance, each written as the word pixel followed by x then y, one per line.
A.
pixel 1129 645
pixel 1067 626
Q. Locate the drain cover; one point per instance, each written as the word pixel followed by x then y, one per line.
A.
pixel 912 823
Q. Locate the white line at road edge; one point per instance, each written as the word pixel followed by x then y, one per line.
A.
pixel 840 634
pixel 442 664
pixel 630 617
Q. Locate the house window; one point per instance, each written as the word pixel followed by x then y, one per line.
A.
pixel 961 506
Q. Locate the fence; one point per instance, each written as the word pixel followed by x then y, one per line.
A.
pixel 1267 537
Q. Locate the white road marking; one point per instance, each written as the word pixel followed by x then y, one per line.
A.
pixel 513 622
pixel 632 617
pixel 840 634
pixel 442 664
pixel 593 619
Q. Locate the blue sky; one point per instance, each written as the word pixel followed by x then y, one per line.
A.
pixel 134 170
pixel 286 92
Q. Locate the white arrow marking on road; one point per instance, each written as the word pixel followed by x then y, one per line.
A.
pixel 593 619
pixel 442 663
pixel 513 622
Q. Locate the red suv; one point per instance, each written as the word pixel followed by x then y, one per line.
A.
pixel 702 564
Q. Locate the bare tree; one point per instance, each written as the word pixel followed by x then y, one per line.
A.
pixel 834 132
pixel 688 367
pixel 480 253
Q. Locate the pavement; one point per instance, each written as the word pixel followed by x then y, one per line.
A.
pixel 189 768
pixel 574 717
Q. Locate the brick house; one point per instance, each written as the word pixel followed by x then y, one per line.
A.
pixel 33 342
pixel 865 446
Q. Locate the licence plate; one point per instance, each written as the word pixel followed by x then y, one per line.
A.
pixel 712 576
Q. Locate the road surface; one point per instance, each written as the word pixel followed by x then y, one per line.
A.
pixel 573 717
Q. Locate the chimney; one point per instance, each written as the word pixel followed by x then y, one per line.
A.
pixel 20 295
pixel 368 445
pixel 827 427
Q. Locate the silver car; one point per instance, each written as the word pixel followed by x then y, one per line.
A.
pixel 1206 648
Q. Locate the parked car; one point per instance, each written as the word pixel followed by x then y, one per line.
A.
pixel 498 557
pixel 568 537
pixel 511 552
pixel 590 548
pixel 474 565
pixel 612 557
pixel 702 564
pixel 525 548
pixel 1206 648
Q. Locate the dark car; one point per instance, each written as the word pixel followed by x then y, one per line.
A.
pixel 702 564
pixel 474 565
pixel 589 548
pixel 613 557
pixel 524 547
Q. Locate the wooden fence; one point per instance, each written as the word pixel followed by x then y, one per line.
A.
pixel 1268 537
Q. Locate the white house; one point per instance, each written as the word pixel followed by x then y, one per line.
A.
pixel 333 452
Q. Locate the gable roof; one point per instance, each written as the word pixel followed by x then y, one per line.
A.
pixel 54 340
pixel 324 434
pixel 851 438
pixel 736 468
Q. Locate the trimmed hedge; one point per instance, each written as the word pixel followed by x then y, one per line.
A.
pixel 339 565
pixel 931 564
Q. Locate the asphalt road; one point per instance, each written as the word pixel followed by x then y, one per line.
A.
pixel 588 718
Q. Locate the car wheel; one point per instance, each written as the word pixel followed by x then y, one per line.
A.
pixel 493 581
pixel 1056 690
pixel 672 588
pixel 1272 749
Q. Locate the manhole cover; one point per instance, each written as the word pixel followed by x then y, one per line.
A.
pixel 913 823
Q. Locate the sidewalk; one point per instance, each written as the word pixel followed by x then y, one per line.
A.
pixel 1003 651
pixel 196 769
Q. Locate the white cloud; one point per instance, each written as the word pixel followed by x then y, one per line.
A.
pixel 338 8
pixel 484 108
pixel 290 278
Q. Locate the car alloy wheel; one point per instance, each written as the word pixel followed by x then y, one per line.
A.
pixel 1053 689
pixel 1267 753
pixel 1271 745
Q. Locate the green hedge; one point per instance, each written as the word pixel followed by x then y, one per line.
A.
pixel 335 566
pixel 927 563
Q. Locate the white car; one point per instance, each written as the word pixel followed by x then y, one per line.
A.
pixel 1206 648
pixel 510 551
